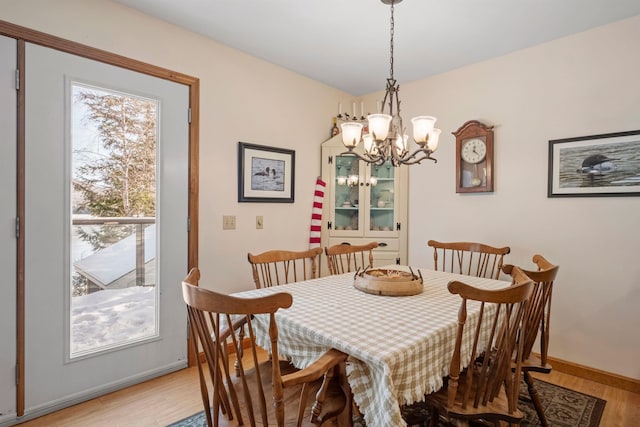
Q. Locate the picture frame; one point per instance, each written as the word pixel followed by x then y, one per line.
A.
pixel 596 165
pixel 265 174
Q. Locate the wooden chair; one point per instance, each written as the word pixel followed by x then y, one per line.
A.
pixel 279 267
pixel 484 386
pixel 246 399
pixel 344 257
pixel 472 259
pixel 538 319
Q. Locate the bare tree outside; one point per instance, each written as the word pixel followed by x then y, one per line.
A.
pixel 121 180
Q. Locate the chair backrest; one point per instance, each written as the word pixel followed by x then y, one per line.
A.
pixel 279 267
pixel 492 349
pixel 472 259
pixel 210 315
pixel 344 258
pixel 265 389
pixel 539 310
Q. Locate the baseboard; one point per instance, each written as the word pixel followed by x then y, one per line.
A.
pixel 602 377
pixel 89 394
pixel 246 343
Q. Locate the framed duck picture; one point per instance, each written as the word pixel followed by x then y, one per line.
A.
pixel 265 174
pixel 595 165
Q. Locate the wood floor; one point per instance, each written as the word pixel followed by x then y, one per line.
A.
pixel 175 396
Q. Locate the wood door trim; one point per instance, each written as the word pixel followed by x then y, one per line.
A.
pixel 24 35
pixel 20 196
pixel 54 42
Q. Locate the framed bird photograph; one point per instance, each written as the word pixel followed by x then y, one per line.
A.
pixel 595 165
pixel 265 174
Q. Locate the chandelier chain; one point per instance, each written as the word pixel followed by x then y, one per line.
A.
pixel 391 41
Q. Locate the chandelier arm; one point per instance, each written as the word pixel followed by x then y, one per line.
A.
pixel 398 107
pixel 394 155
pixel 413 159
pixel 425 151
pixel 384 100
pixel 377 160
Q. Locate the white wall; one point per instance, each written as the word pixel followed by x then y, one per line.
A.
pixel 581 85
pixel 241 99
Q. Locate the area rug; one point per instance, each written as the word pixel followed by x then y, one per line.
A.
pixel 562 407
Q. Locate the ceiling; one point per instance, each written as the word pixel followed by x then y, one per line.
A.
pixel 345 43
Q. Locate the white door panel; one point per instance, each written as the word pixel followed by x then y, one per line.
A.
pixel 51 378
pixel 8 176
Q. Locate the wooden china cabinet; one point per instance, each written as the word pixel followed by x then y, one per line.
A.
pixel 364 203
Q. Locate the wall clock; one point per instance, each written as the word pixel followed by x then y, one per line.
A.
pixel 474 158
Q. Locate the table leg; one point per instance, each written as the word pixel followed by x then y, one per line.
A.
pixel 345 419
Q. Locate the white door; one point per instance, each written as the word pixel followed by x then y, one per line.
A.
pixel 8 144
pixel 57 371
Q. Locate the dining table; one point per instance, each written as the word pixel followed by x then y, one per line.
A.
pixel 399 347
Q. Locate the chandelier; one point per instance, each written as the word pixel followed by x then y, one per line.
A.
pixel 386 140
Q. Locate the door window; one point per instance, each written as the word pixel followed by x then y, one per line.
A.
pixel 113 210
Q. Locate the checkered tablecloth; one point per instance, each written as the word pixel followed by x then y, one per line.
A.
pixel 400 347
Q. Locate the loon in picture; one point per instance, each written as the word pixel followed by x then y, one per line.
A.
pixel 597 164
pixel 265 172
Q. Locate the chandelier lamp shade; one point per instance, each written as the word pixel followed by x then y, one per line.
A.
pixel 386 139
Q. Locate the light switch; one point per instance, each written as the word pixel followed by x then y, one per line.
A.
pixel 229 222
pixel 259 222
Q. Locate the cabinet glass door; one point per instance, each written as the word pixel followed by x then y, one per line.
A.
pixel 347 193
pixel 382 192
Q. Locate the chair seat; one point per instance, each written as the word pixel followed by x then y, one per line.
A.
pixel 498 408
pixel 534 364
pixel 416 413
pixel 334 403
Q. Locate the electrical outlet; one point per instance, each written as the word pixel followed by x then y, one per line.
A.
pixel 229 222
pixel 259 222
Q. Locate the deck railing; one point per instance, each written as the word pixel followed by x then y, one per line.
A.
pixel 139 222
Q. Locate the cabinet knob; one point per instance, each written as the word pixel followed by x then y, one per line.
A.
pixel 382 244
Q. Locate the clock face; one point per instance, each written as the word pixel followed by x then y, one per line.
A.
pixel 473 150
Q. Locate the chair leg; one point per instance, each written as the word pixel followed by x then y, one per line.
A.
pixel 303 403
pixel 435 415
pixel 535 398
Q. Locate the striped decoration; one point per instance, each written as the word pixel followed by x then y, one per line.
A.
pixel 316 214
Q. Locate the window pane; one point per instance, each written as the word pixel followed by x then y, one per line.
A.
pixel 113 205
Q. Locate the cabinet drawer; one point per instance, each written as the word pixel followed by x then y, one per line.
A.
pixel 383 244
pixel 382 259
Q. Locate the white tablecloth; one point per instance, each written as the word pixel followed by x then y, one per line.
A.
pixel 400 347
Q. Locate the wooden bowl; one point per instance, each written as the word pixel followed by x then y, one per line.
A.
pixel 388 282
